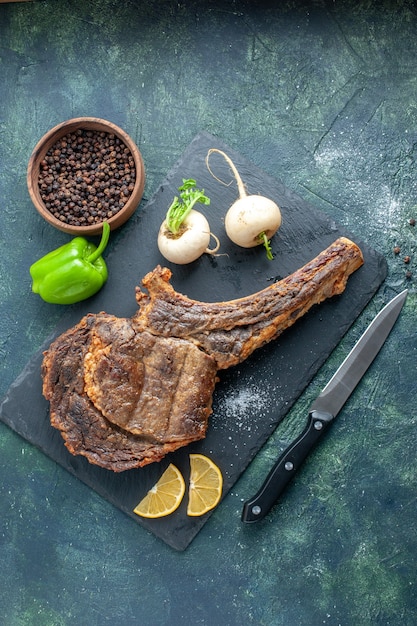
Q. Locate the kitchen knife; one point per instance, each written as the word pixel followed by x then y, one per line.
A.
pixel 324 409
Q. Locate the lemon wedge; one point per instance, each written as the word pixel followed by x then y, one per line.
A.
pixel 164 497
pixel 206 484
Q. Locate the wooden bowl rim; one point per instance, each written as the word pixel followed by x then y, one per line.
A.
pixel 48 140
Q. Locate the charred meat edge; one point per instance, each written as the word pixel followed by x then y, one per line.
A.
pixel 226 332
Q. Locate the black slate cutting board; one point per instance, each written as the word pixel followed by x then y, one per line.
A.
pixel 250 399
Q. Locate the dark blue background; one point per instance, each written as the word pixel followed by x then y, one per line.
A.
pixel 320 95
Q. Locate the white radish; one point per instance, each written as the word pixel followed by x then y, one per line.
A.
pixel 192 240
pixel 252 219
pixel 185 233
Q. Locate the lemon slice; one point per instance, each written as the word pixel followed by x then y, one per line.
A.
pixel 165 496
pixel 206 483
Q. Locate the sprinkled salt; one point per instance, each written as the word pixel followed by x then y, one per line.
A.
pixel 239 407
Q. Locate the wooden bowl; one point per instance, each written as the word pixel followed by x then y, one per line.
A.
pixel 60 185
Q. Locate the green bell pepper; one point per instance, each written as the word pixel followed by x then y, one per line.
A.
pixel 71 273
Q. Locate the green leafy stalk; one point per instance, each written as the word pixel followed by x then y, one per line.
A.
pixel 180 207
pixel 267 245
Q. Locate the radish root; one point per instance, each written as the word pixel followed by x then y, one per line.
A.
pixel 216 247
pixel 240 185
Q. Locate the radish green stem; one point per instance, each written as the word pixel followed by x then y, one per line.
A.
pixel 267 245
pixel 180 208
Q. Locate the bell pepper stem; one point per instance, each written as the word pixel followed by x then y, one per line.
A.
pixel 103 243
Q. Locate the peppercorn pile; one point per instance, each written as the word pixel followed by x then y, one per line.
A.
pixel 86 177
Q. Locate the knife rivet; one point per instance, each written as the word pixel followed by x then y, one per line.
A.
pixel 256 510
pixel 318 425
pixel 289 466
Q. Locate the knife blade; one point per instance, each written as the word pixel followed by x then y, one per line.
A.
pixel 324 409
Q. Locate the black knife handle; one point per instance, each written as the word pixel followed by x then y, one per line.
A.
pixel 285 468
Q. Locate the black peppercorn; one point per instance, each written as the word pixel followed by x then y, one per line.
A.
pixel 70 184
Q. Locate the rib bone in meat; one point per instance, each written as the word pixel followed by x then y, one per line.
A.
pixel 126 391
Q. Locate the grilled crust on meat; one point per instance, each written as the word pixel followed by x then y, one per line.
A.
pixel 126 392
pixel 78 408
pixel 231 331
